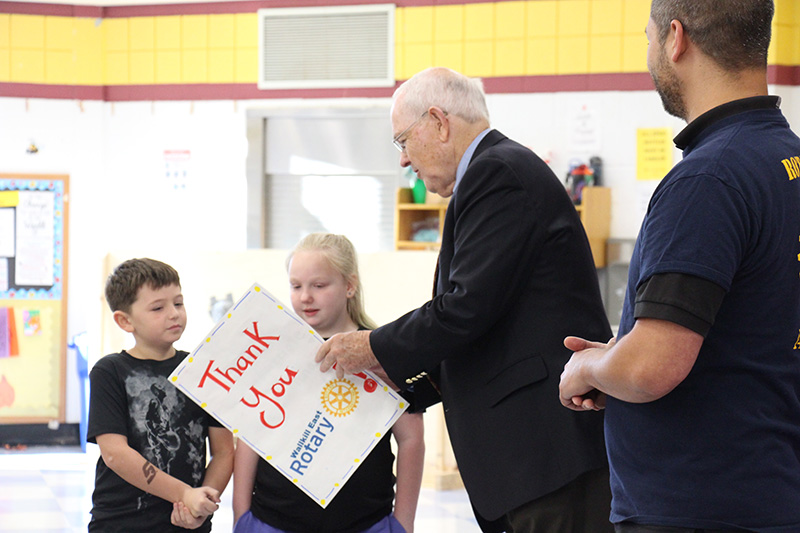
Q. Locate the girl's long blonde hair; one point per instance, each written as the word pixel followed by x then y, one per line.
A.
pixel 341 255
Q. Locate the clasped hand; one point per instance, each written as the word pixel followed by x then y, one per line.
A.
pixel 575 390
pixel 195 506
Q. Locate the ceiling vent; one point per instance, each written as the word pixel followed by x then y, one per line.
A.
pixel 323 47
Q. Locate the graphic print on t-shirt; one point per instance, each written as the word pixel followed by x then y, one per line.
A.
pixel 160 426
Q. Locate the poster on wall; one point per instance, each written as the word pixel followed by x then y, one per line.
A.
pixel 255 373
pixel 35 239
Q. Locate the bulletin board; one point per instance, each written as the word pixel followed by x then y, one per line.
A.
pixel 33 297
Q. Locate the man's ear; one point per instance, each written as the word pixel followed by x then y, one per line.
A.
pixel 679 42
pixel 123 321
pixel 442 122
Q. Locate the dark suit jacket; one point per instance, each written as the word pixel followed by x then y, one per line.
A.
pixel 515 277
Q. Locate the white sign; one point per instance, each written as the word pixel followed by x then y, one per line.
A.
pixel 255 373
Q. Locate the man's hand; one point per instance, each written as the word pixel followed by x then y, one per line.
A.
pixel 574 391
pixel 347 352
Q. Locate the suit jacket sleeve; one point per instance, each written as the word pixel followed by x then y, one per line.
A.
pixel 490 235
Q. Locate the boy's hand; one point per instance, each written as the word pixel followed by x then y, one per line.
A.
pixel 181 517
pixel 201 501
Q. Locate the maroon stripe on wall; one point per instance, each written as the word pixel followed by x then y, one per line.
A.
pixel 55 10
pixel 63 92
pixel 200 8
pixel 249 91
pixel 783 75
pixel 639 81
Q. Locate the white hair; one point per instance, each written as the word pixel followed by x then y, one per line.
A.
pixel 447 89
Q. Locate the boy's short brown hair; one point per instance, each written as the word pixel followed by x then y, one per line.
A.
pixel 123 285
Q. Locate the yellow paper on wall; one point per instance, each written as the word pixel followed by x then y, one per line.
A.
pixel 653 153
pixel 9 198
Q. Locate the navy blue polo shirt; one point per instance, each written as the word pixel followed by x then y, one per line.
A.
pixel 722 450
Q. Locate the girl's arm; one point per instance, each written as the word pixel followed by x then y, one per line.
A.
pixel 244 479
pixel 408 432
pixel 131 466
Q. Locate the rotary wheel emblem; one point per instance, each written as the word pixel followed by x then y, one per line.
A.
pixel 339 397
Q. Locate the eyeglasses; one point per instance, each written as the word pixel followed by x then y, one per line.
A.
pixel 401 145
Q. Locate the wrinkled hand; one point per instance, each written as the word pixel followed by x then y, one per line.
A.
pixel 181 517
pixel 574 392
pixel 347 352
pixel 381 373
pixel 201 501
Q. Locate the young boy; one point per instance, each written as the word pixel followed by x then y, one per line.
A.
pixel 152 475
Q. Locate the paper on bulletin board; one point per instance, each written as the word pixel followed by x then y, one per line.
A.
pixel 7 238
pixel 653 153
pixel 255 373
pixel 35 239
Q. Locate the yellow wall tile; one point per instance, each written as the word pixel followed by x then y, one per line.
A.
pixel 89 54
pixel 27 66
pixel 194 31
pixel 27 31
pixel 634 52
pixel 541 18
pixel 5 31
pixel 59 33
pixel 399 24
pixel 417 57
pixel 786 12
pixel 605 53
pixel 194 66
pixel 510 20
pixel 783 48
pixel 143 34
pixel 509 57
pixel 418 25
pixel 540 56
pixel 168 66
pixel 573 18
pixel 478 22
pixel 479 58
pixel 117 68
pixel 573 55
pixel 116 34
pixel 168 33
pixel 60 68
pixel 143 67
pixel 450 55
pixel 448 23
pixel 220 66
pixel 246 65
pixel 246 30
pixel 5 64
pixel 221 31
pixel 635 14
pixel 605 17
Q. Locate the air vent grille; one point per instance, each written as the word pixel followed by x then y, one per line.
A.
pixel 348 46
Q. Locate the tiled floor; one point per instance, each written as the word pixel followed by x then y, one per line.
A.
pixel 50 490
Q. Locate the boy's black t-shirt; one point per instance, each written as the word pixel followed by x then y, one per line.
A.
pixel 132 397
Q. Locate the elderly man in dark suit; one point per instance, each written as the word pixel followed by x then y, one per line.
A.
pixel 515 276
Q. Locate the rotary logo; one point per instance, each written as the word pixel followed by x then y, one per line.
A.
pixel 340 397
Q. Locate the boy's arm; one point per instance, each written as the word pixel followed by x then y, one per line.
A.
pixel 244 479
pixel 131 466
pixel 408 432
pixel 220 468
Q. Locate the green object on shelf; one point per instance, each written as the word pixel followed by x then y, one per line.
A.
pixel 418 191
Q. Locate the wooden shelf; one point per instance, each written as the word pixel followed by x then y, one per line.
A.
pixel 595 214
pixel 407 214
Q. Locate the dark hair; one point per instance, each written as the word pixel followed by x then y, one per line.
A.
pixel 734 33
pixel 123 285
